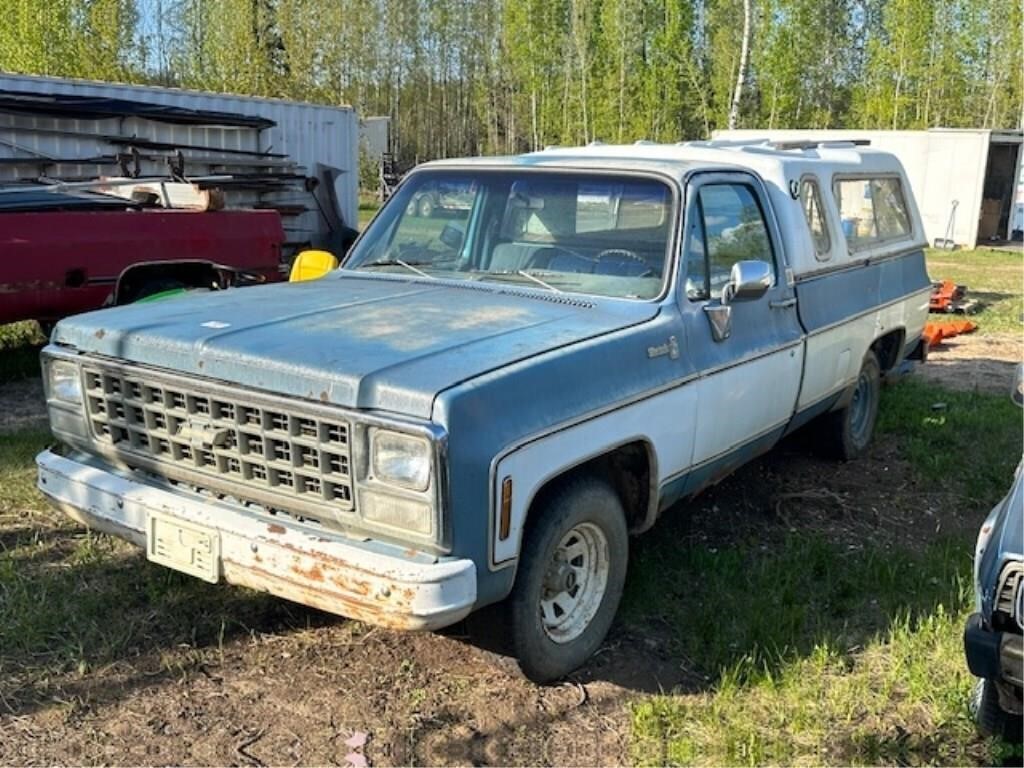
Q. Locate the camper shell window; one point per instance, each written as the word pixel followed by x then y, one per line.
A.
pixel 810 201
pixel 873 210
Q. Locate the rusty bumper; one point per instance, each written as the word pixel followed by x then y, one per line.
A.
pixel 369 581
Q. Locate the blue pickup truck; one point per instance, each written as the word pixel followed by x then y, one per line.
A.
pixel 479 408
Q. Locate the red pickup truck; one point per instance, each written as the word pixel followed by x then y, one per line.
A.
pixel 64 253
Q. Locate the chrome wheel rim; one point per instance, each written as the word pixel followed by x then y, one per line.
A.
pixel 574 583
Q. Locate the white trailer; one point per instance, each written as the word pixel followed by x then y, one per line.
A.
pixel 964 180
pixel 300 159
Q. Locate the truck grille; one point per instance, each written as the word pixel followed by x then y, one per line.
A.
pixel 252 447
pixel 1009 596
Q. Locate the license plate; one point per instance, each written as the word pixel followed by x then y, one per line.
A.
pixel 185 547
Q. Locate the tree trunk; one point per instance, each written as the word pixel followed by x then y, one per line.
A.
pixel 741 77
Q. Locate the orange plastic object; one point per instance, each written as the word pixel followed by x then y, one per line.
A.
pixel 944 296
pixel 935 333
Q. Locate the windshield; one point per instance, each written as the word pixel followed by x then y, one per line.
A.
pixel 571 232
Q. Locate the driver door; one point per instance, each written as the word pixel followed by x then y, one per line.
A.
pixel 752 362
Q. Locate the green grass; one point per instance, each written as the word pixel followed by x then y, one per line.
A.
pixel 994 278
pixel 72 601
pixel 967 441
pixel 812 651
pixel 368 207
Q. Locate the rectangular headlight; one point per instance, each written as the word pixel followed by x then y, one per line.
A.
pixel 403 460
pixel 64 381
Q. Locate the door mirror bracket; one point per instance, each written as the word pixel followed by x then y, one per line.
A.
pixel 719 315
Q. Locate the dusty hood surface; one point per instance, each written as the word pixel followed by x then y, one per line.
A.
pixel 375 342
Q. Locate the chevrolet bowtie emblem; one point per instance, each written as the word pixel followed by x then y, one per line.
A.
pixel 202 434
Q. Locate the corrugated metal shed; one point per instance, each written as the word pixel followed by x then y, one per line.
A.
pixel 306 140
pixel 943 165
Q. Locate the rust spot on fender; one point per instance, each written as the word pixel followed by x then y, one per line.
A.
pixel 411 553
pixel 201 363
pixel 323 396
pixel 100 333
pixel 275 528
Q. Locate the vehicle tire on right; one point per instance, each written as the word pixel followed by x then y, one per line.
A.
pixel 991 719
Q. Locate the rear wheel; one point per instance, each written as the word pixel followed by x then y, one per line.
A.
pixel 571 573
pixel 426 207
pixel 848 431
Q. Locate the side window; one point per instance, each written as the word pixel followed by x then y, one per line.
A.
pixel 872 211
pixel 733 229
pixel 810 201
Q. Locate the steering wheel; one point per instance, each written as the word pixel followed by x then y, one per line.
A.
pixel 626 255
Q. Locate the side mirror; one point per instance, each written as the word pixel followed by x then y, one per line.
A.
pixel 312 265
pixel 748 280
pixel 1017 395
pixel 452 236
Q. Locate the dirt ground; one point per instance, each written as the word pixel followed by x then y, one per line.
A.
pixel 301 685
pixel 975 361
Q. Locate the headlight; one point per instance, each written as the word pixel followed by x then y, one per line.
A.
pixel 400 459
pixel 65 382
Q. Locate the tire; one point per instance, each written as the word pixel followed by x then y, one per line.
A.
pixel 578 540
pixel 991 719
pixel 413 208
pixel 426 207
pixel 848 431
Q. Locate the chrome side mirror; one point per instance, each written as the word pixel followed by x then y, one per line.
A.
pixel 748 280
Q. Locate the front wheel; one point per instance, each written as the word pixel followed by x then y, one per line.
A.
pixel 571 573
pixel 849 430
pixel 990 718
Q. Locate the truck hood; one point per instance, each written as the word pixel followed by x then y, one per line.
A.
pixel 361 341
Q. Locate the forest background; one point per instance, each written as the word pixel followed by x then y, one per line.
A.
pixel 468 77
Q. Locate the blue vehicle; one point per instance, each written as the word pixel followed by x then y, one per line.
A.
pixel 479 409
pixel 994 637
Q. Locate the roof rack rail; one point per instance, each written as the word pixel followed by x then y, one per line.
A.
pixel 812 144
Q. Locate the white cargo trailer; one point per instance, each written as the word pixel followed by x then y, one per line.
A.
pixel 300 159
pixel 964 180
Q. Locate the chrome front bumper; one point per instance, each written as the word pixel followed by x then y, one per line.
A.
pixel 325 571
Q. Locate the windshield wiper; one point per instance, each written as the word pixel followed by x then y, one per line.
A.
pixel 410 265
pixel 537 280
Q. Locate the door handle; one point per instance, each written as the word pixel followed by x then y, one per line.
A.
pixel 782 303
